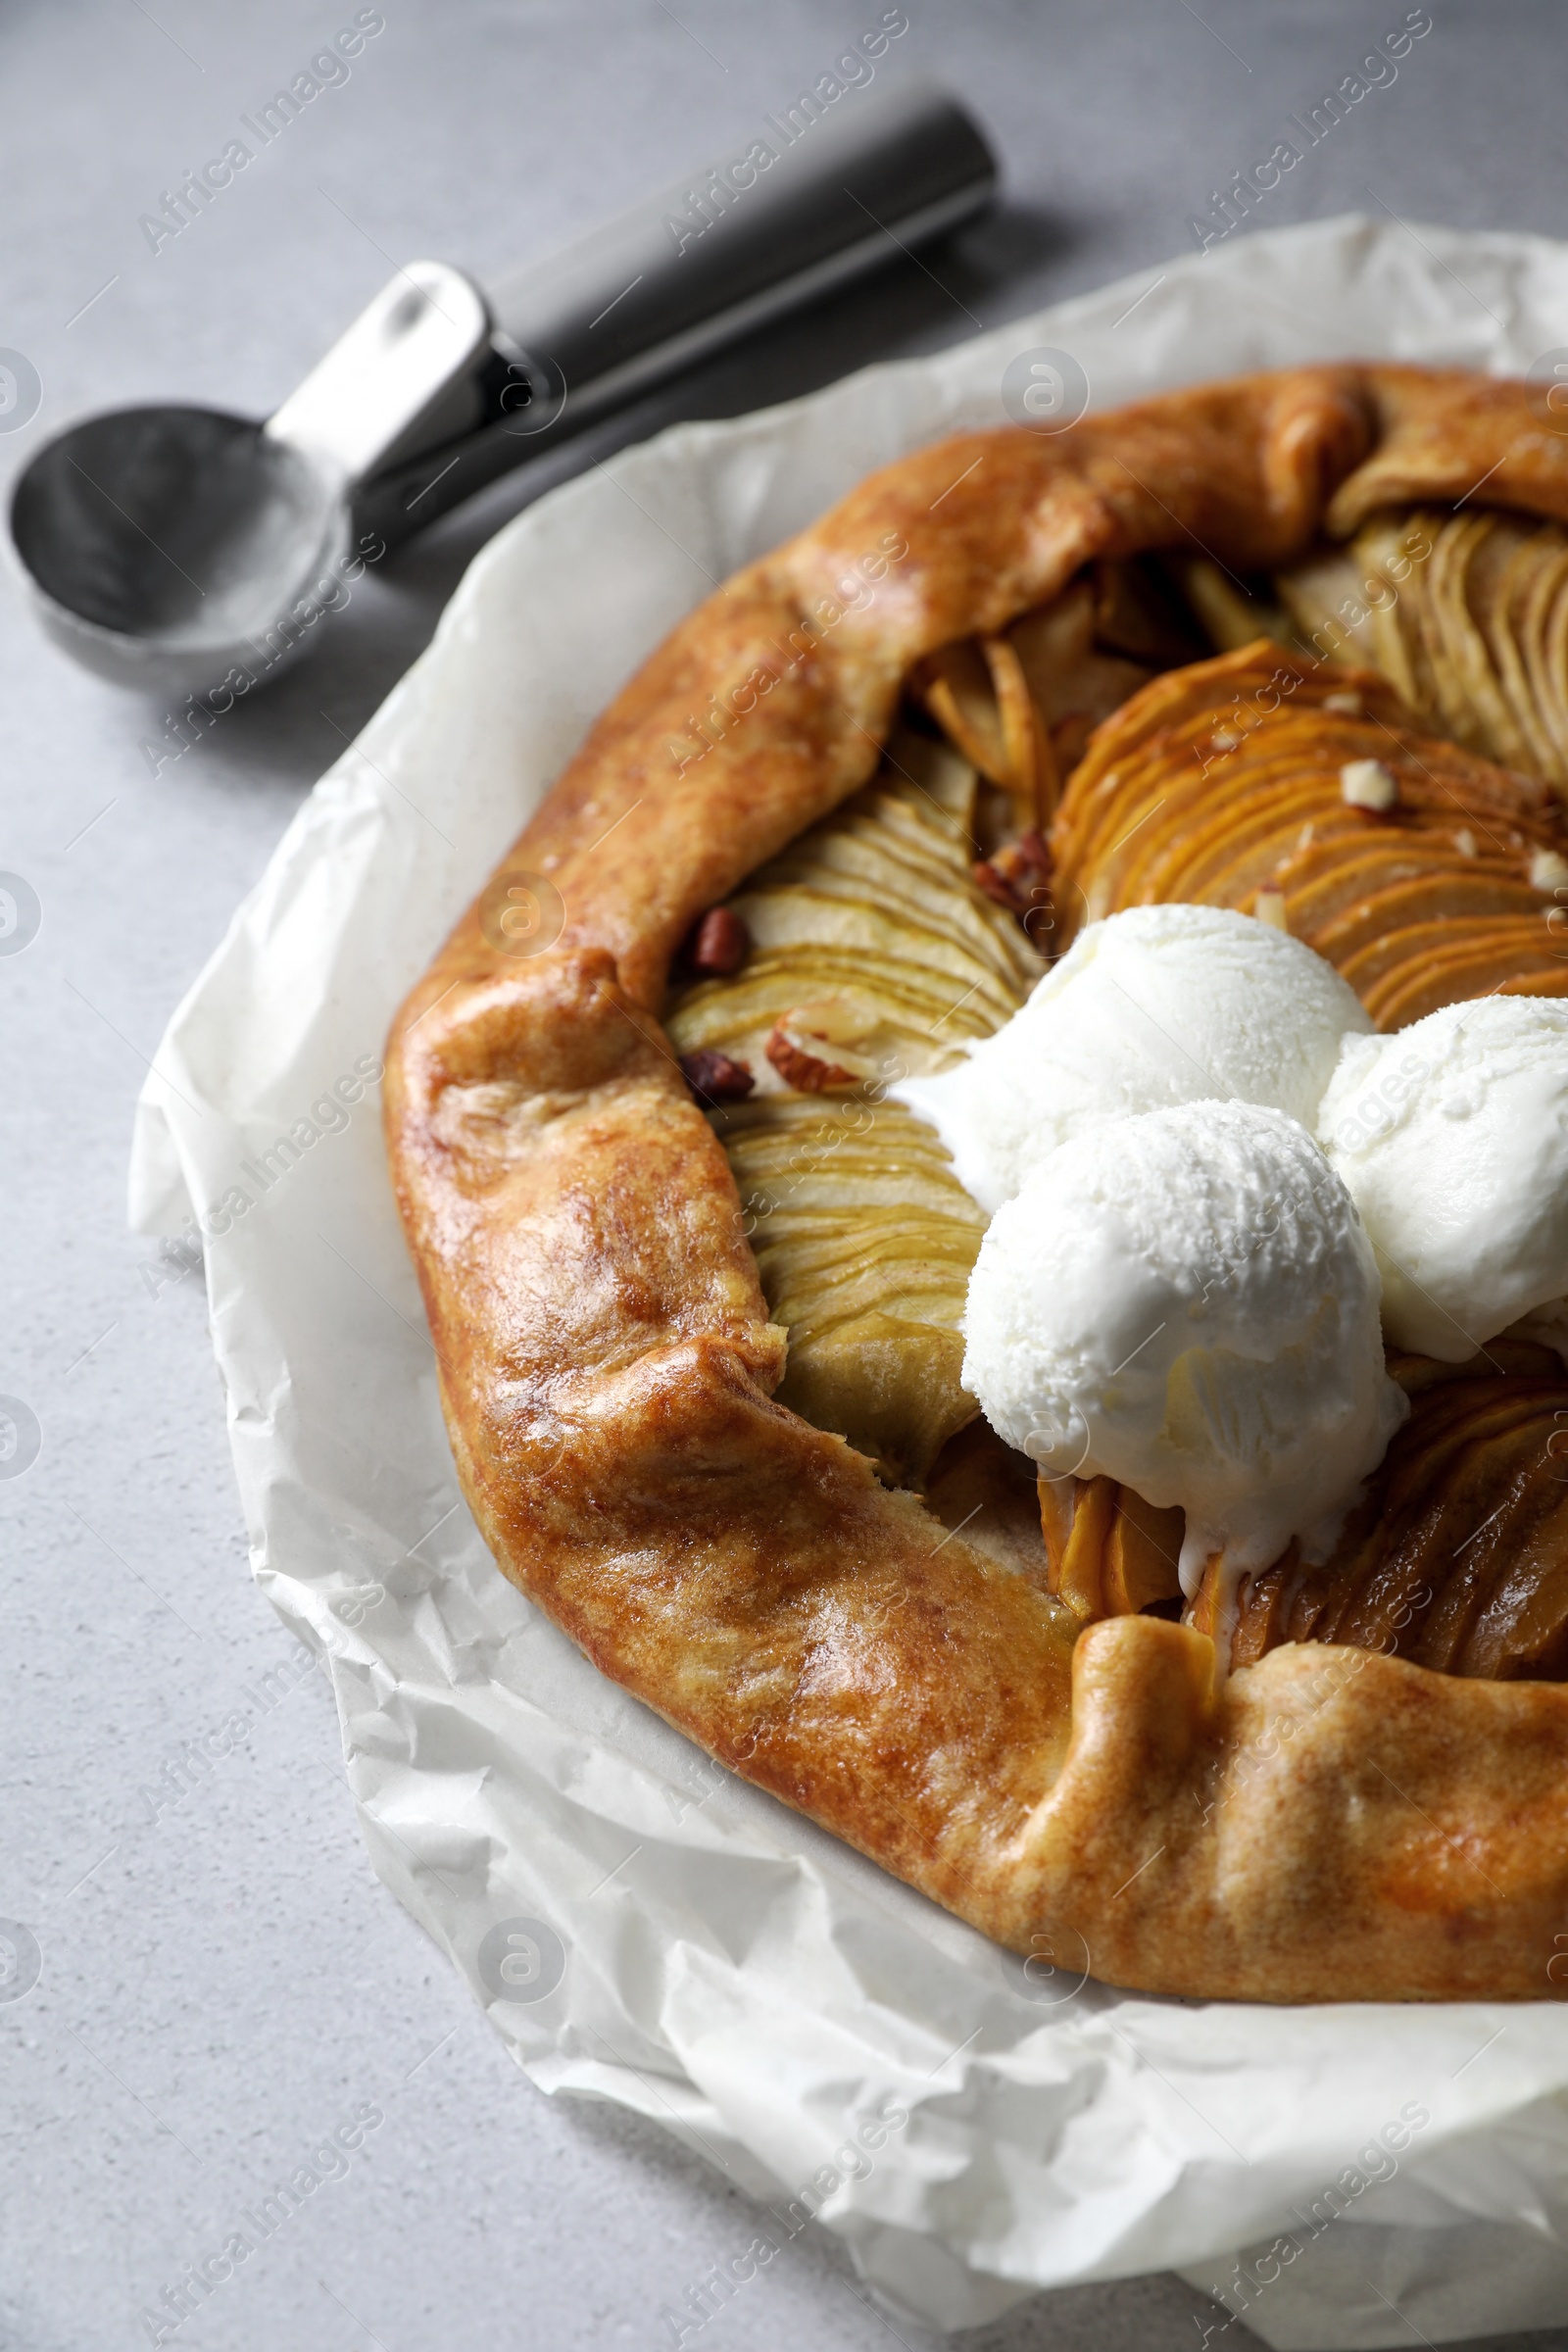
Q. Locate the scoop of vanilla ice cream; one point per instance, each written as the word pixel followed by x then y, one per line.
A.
pixel 1156 1006
pixel 1187 1301
pixel 1453 1137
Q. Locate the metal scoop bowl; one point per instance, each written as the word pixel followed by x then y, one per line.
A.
pixel 162 542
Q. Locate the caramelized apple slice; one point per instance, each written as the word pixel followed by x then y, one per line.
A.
pixel 979 1487
pixel 1457 1556
pixel 1243 851
pixel 1142 1551
pixel 1491 1492
pixel 1491 957
pixel 1330 872
pixel 1520 1626
pixel 1078 1578
pixel 1439 895
pixel 1237 691
pixel 1111 1554
pixel 1262 1610
pixel 1422 948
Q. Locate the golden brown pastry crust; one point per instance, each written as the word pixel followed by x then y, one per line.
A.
pixel 1327 1825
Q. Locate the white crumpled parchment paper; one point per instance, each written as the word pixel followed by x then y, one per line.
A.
pixel 640 1925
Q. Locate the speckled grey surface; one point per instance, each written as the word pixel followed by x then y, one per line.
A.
pixel 222 1981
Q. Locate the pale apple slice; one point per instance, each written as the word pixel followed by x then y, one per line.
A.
pixel 1467 615
pixel 1325 597
pixel 891 1384
pixel 1473 700
pixel 872 951
pixel 1073 681
pixel 978 693
pixel 1501 577
pixel 1423 633
pixel 831 912
pixel 899 890
pixel 1543 639
pixel 1390 552
pixel 932 1013
pixel 876 1138
pixel 1234 615
pixel 945 781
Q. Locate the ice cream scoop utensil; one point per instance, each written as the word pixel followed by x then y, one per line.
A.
pixel 161 544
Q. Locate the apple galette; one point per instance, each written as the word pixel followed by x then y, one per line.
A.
pixel 1005 1267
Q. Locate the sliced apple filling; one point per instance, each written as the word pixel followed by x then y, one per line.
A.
pixel 864 1241
pixel 1247 781
pixel 1362 810
pixel 874 955
pixel 1465 614
pixel 1456 1557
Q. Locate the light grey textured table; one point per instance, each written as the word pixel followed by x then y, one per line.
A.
pixel 222 1981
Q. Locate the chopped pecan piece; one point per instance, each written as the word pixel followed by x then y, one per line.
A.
pixel 1016 876
pixel 1027 860
pixel 716 944
pixel 715 1078
pixel 990 879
